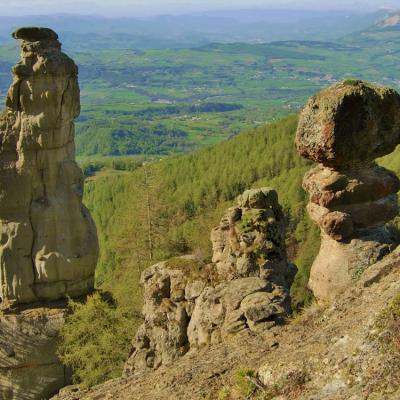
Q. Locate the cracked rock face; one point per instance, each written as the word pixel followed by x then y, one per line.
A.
pixel 188 304
pixel 48 242
pixel 344 128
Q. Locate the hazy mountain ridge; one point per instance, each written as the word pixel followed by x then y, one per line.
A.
pixel 195 29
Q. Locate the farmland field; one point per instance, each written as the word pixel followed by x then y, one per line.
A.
pixel 162 101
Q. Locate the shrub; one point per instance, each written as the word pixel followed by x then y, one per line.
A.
pixel 95 339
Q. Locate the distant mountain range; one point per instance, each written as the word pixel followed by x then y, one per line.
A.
pixel 226 26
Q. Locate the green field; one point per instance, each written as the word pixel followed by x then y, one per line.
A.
pixel 166 101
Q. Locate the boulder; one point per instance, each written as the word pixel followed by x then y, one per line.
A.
pixel 349 123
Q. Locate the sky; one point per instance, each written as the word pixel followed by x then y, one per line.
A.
pixel 157 7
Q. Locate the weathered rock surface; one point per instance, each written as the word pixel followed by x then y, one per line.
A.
pixel 188 304
pixel 29 367
pixel 345 127
pixel 250 240
pixel 171 288
pixel 352 122
pixel 329 352
pixel 48 241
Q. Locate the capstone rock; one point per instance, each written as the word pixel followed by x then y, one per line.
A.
pixel 351 122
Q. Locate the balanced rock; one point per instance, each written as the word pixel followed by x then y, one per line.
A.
pixel 344 128
pixel 188 303
pixel 48 241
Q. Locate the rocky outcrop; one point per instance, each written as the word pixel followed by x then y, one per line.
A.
pixel 392 20
pixel 48 241
pixel 189 304
pixel 344 128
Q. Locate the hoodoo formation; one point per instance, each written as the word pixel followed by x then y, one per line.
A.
pixel 48 241
pixel 188 304
pixel 345 128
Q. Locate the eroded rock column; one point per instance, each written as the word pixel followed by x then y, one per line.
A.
pixel 189 304
pixel 344 129
pixel 48 241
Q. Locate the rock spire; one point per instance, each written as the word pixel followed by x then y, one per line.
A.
pixel 48 241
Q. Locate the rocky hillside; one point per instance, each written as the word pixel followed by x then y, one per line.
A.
pixel 347 350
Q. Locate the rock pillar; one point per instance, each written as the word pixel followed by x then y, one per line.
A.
pixel 344 129
pixel 189 304
pixel 48 241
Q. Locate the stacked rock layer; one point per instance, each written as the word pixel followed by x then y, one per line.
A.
pixel 188 304
pixel 344 129
pixel 48 242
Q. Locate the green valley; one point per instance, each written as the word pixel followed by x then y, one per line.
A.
pixel 163 101
pixel 169 137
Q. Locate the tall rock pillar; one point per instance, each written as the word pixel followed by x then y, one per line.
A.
pixel 344 129
pixel 48 241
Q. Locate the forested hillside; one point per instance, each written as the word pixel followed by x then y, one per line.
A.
pixel 176 201
pixel 167 208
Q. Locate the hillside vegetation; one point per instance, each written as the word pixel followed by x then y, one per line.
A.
pixel 167 208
